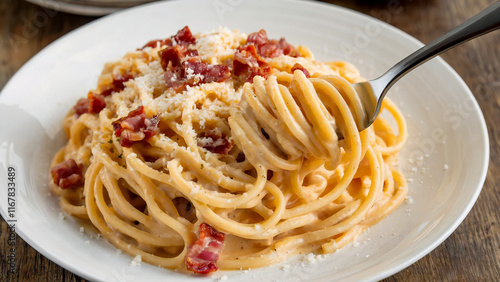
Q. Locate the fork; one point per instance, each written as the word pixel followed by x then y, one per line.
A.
pixel 371 93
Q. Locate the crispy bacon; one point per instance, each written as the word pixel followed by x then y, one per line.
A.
pixel 248 60
pixel 216 142
pixel 175 80
pixel 67 174
pixel 298 66
pixel 204 253
pixel 117 85
pixel 81 107
pixel 135 127
pixel 271 48
pixel 257 38
pixel 93 104
pixel 184 68
pixel 176 55
pixel 183 37
pixel 192 73
pixel 288 48
pixel 248 64
pixel 207 72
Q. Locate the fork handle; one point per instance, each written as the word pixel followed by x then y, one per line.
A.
pixel 482 23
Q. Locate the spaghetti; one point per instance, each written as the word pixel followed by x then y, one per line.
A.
pixel 221 150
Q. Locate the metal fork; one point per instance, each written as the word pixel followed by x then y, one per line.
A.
pixel 372 92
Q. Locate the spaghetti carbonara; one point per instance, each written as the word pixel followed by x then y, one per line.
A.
pixel 222 150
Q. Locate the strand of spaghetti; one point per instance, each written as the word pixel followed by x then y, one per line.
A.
pixel 239 229
pixel 111 235
pixel 291 224
pixel 285 226
pixel 118 201
pixel 161 198
pixel 314 109
pixel 195 191
pixel 217 171
pixel 263 258
pixel 292 116
pixel 114 168
pixel 355 156
pixel 291 112
pixel 258 129
pixel 75 134
pixel 297 179
pixel 257 106
pixel 350 96
pixel 275 128
pixel 198 193
pixel 348 223
pixel 120 226
pixel 343 214
pixel 402 129
pixel 75 210
pixel 391 203
pixel 376 161
pixel 182 227
pixel 253 147
pixel 346 70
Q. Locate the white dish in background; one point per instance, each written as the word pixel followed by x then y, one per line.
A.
pixel 88 7
pixel 446 176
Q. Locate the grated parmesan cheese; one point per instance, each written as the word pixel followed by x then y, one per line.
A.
pixel 136 261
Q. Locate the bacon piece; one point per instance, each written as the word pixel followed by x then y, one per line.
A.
pixel 172 60
pixel 247 63
pixel 216 142
pixel 117 85
pixel 271 48
pixel 81 107
pixel 183 66
pixel 175 80
pixel 257 38
pixel 248 60
pixel 298 66
pixel 288 48
pixel 94 103
pixel 187 70
pixel 204 253
pixel 184 37
pixel 135 127
pixel 264 47
pixel 67 174
pixel 207 72
pixel 176 55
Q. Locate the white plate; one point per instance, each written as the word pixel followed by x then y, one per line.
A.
pixel 446 177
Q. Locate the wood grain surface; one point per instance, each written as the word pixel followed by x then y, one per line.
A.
pixel 471 253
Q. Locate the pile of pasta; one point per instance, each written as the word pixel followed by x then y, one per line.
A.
pixel 225 151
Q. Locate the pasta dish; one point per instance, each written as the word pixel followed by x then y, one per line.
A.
pixel 220 150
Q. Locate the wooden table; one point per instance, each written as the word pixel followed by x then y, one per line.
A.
pixel 471 253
